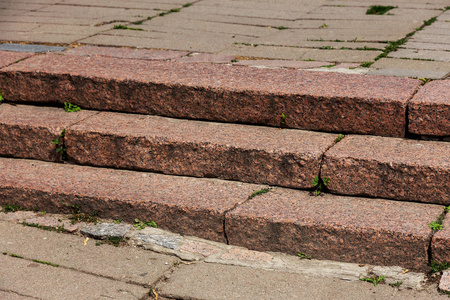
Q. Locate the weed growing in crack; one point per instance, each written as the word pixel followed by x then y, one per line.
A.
pixel 375 280
pixel 46 263
pixel 435 226
pixel 1 97
pixel 283 122
pixel 78 216
pixel 339 138
pixel 16 255
pixel 436 267
pixel 320 184
pixel 69 107
pixel 58 229
pixel 282 27
pixel 303 255
pixel 259 192
pixel 139 225
pixel 379 9
pixel 59 142
pixel 126 27
pixel 11 208
pixel 424 80
pixel 323 25
pixel 396 284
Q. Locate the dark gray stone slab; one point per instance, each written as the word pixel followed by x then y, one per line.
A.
pixel 166 241
pixel 30 48
pixel 105 230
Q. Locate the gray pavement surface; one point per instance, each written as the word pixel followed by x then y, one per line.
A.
pixel 322 30
pixel 43 264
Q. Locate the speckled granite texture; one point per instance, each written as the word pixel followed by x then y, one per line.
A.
pixel 440 247
pixel 284 157
pixel 27 131
pixel 375 231
pixel 184 205
pixel 429 110
pixel 7 57
pixel 444 284
pixel 390 168
pixel 309 100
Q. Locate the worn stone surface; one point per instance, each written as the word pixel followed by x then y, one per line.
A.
pixel 391 168
pixel 339 228
pixel 311 100
pixel 145 54
pixel 28 131
pixel 185 205
pixel 54 222
pixel 283 63
pixel 30 48
pixel 104 230
pixel 444 283
pixel 202 149
pixel 440 246
pixel 171 242
pixel 206 58
pixel 429 110
pixel 7 58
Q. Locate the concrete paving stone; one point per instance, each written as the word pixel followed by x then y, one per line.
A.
pixel 429 110
pixel 442 25
pixel 300 6
pixel 56 283
pixel 63 29
pixel 423 36
pixel 339 45
pixel 208 91
pixel 234 282
pixel 293 64
pixel 6 26
pixel 30 48
pixel 444 283
pixel 28 131
pixel 17 216
pixel 14 296
pixel 201 149
pixel 260 51
pixel 41 37
pixel 440 244
pixel 103 231
pixel 49 20
pixel 21 6
pixel 54 222
pixel 146 54
pixel 382 25
pixel 129 4
pixel 422 54
pixel 204 249
pixel 348 229
pixel 432 30
pixel 359 71
pixel 409 73
pixel 184 205
pixel 206 58
pixel 392 168
pixel 445 17
pixel 426 46
pixel 348 56
pixel 414 67
pixel 7 58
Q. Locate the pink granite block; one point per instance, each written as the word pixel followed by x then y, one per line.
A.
pixel 7 58
pixel 283 63
pixel 206 58
pixel 284 157
pixel 28 131
pixel 440 245
pixel 349 229
pixel 309 100
pixel 429 110
pixel 184 205
pixel 145 54
pixel 391 168
pixel 444 283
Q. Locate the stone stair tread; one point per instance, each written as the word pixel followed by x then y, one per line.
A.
pixel 378 231
pixel 392 168
pixel 309 100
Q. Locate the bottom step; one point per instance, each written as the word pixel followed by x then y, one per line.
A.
pixel 349 229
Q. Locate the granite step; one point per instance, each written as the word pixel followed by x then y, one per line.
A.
pixel 361 230
pixel 320 101
pixel 358 165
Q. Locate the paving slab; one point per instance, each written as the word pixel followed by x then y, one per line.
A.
pixel 444 283
pixel 282 63
pixel 30 48
pixel 234 282
pixel 202 149
pixel 123 265
pixel 53 283
pixel 429 110
pixel 374 231
pixel 185 205
pixel 410 68
pixel 7 58
pixel 440 244
pixel 392 168
pixel 422 54
pixel 146 54
pixel 310 100
pixel 28 131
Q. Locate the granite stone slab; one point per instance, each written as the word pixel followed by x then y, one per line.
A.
pixel 7 58
pixel 375 231
pixel 184 205
pixel 429 110
pixel 28 131
pixel 392 168
pixel 440 246
pixel 247 153
pixel 146 54
pixel 309 100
